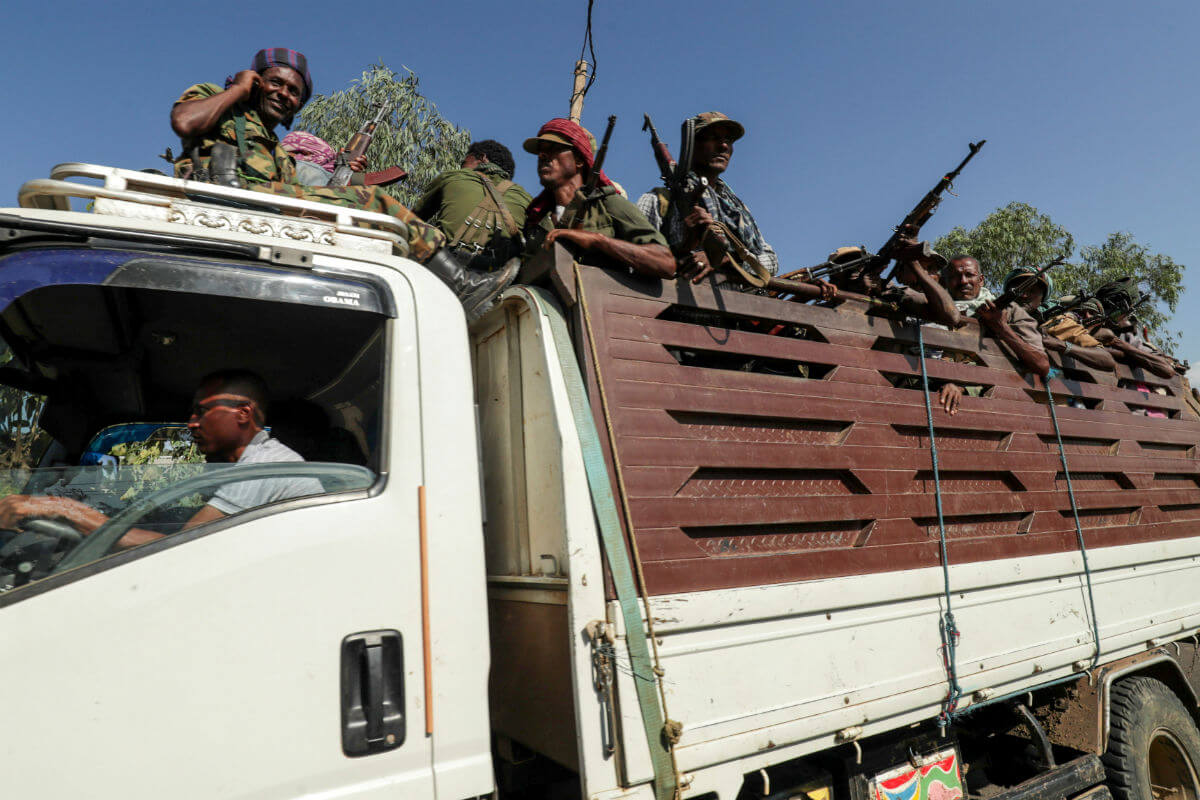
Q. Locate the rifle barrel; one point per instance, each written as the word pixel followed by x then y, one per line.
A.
pixel 975 147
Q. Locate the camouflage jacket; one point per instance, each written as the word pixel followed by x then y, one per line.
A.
pixel 264 159
pixel 267 167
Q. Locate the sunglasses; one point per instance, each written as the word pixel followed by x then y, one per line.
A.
pixel 198 410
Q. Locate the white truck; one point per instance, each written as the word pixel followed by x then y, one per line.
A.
pixel 620 539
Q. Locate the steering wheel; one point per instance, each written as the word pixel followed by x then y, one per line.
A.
pixel 31 552
pixel 67 534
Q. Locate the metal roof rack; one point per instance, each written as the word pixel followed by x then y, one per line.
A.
pixel 149 196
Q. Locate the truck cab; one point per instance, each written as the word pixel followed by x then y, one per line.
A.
pixel 203 664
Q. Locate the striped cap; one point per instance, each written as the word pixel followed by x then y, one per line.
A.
pixel 283 57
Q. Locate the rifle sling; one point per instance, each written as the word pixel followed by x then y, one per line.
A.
pixel 744 263
pixel 239 125
pixel 497 192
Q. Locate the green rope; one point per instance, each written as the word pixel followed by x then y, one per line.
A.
pixel 947 626
pixel 1087 572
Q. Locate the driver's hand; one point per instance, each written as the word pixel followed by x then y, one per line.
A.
pixel 15 509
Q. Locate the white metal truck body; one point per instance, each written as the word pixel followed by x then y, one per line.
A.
pixel 210 669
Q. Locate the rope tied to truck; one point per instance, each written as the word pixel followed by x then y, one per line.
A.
pixel 1087 571
pixel 947 625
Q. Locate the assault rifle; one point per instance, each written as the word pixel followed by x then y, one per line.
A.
pixel 873 264
pixel 357 147
pixel 1062 306
pixel 573 214
pixel 674 173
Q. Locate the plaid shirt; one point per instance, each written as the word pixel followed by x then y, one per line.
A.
pixel 651 204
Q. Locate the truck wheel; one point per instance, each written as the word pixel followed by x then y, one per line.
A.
pixel 1153 745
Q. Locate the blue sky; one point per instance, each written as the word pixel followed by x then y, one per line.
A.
pixel 852 109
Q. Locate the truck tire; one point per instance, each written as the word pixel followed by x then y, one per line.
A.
pixel 1153 745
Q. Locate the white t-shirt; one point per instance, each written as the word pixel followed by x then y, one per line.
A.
pixel 235 497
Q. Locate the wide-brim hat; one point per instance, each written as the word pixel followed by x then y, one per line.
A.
pixel 715 120
pixel 531 144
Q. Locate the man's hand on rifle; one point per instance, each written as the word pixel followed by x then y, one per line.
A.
pixel 697 224
pixel 828 290
pixel 1104 336
pixel 694 265
pixel 359 164
pixel 990 315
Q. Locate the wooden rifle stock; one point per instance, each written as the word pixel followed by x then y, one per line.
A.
pixel 662 155
pixel 357 147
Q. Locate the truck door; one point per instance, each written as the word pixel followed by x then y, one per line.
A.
pixel 272 653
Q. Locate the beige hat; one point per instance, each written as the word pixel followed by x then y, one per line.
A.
pixel 713 119
pixel 531 145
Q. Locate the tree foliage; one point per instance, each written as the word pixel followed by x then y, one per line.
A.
pixel 21 440
pixel 414 135
pixel 1017 235
pixel 1020 235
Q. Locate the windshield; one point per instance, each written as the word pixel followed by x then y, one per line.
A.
pixel 130 414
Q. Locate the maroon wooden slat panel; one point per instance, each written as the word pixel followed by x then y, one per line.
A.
pixel 748 458
pixel 755 389
pixel 653 452
pixel 684 388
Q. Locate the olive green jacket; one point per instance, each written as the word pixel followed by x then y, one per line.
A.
pixel 458 203
pixel 612 215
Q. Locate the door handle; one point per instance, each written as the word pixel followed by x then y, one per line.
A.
pixel 373 719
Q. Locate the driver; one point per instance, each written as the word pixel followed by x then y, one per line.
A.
pixel 227 421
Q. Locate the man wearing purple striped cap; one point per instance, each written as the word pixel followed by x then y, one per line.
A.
pixel 242 118
pixel 245 115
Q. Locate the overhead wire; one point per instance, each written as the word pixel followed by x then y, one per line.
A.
pixel 587 48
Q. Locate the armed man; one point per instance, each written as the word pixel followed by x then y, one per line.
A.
pixel 1115 329
pixel 1011 325
pixel 579 206
pixel 1063 333
pixel 228 137
pixel 1069 333
pixel 478 207
pixel 709 223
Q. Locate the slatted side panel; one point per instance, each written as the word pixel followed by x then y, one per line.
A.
pixel 762 442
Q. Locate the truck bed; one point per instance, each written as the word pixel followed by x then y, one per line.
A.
pixel 780 490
